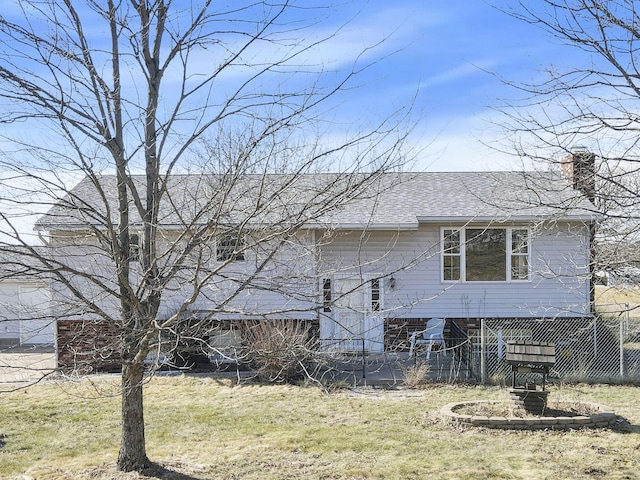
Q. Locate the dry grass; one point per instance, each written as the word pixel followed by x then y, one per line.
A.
pixel 614 300
pixel 416 375
pixel 203 428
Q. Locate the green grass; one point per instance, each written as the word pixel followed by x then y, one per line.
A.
pixel 202 428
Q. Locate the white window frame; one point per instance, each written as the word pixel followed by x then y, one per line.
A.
pixel 135 246
pixel 461 253
pixel 513 253
pixel 326 289
pixel 375 294
pixel 371 285
pixel 233 256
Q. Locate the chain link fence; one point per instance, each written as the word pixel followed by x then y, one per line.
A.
pixel 605 349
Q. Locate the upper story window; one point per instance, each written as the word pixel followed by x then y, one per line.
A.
pixel 485 254
pixel 451 255
pixel 229 248
pixel 519 254
pixel 134 247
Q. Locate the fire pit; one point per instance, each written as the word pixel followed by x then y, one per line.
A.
pixel 526 358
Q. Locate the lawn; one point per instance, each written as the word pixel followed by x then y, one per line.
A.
pixel 203 428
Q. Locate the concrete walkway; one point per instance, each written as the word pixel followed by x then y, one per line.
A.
pixel 24 365
pixel 392 369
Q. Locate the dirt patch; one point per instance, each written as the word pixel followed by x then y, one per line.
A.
pixel 507 409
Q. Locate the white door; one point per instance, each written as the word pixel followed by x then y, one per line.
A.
pixel 36 323
pixel 349 313
pixel 355 320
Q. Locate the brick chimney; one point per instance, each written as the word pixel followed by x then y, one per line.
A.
pixel 580 168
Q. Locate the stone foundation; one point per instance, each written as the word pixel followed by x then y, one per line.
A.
pixel 90 345
pixel 87 345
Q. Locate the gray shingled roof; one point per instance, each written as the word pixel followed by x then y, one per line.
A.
pixel 393 200
pixel 19 262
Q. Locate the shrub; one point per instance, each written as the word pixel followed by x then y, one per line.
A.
pixel 416 375
pixel 281 351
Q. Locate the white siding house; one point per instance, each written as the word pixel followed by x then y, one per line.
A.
pixel 25 307
pixel 459 246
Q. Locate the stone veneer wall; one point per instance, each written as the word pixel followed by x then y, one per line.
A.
pixel 397 332
pixel 87 345
pixel 93 345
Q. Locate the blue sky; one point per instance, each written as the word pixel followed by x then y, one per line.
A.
pixel 445 54
pixel 449 51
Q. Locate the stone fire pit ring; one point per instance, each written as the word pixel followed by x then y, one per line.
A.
pixel 602 417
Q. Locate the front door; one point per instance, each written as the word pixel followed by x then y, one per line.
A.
pixel 354 321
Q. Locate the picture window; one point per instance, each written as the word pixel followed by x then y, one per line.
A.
pixel 485 254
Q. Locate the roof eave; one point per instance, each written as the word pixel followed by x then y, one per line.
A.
pixel 506 219
pixel 412 226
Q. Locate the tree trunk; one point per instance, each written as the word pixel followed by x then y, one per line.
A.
pixel 133 455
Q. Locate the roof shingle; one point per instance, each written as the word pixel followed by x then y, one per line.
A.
pixel 391 200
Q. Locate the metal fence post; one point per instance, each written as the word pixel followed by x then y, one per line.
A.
pixel 364 362
pixel 483 351
pixel 623 373
pixel 595 338
pixel 626 320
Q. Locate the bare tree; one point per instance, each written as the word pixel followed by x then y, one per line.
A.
pixel 583 119
pixel 128 97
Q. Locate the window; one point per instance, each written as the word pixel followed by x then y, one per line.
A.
pixel 134 247
pixel 228 249
pixel 326 295
pixel 375 295
pixel 519 254
pixel 451 255
pixel 485 254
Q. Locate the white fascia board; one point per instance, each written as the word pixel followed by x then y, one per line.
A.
pixel 509 219
pixel 363 226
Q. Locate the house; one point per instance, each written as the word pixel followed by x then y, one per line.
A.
pixel 25 308
pixel 365 272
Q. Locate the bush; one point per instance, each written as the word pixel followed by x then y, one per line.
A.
pixel 281 351
pixel 416 375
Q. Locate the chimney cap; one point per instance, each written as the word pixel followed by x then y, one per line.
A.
pixel 580 149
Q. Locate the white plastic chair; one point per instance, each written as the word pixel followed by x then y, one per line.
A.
pixel 432 335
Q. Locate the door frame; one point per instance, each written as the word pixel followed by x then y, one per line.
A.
pixel 372 320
